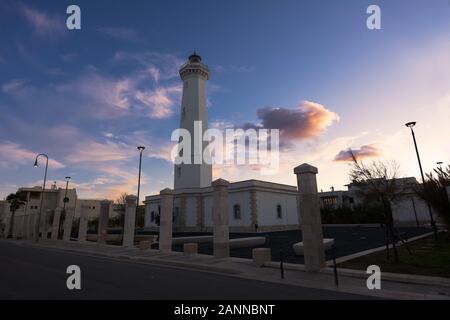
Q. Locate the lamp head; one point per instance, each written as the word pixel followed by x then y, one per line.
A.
pixel 67 178
pixel 141 148
pixel 35 163
pixel 439 163
pixel 410 124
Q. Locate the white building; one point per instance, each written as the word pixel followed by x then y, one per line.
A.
pixel 253 204
pixel 53 199
pixel 407 207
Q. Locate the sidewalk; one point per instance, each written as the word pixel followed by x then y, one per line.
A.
pixel 393 286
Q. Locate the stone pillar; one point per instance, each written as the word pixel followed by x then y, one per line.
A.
pixel 220 218
pixel 129 225
pixel 103 221
pixel 68 220
pixel 83 225
pixel 55 223
pixel 165 222
pixel 309 215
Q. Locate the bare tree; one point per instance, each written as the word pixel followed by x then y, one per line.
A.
pixel 121 201
pixel 378 182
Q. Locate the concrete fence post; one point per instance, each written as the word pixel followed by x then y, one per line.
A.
pixel 220 218
pixel 103 220
pixel 165 221
pixel 309 214
pixel 68 221
pixel 83 226
pixel 129 224
pixel 55 223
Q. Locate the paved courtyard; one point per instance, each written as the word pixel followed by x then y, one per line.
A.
pixel 348 240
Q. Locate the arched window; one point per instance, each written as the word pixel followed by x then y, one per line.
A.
pixel 152 216
pixel 279 212
pixel 237 212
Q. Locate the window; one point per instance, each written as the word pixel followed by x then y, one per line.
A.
pixel 179 172
pixel 152 216
pixel 183 113
pixel 279 212
pixel 237 212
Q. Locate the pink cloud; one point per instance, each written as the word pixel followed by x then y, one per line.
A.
pixel 364 152
pixel 13 153
pixel 307 120
pixel 42 23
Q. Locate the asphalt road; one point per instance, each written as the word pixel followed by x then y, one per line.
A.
pixel 35 273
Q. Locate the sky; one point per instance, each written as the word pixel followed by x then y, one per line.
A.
pixel 312 69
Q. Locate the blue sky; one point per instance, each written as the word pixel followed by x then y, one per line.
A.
pixel 88 97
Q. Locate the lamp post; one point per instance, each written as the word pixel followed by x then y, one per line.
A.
pixel 38 222
pixel 141 149
pixel 411 125
pixel 65 200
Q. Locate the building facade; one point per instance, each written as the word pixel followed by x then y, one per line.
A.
pixel 24 217
pixel 407 207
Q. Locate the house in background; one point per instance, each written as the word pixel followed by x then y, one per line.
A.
pixel 407 208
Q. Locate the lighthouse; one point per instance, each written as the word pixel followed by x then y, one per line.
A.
pixel 194 75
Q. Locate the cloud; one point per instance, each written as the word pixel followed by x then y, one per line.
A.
pixel 159 101
pixel 43 24
pixel 308 120
pixel 15 86
pixel 231 68
pixel 120 33
pixel 13 154
pixel 68 57
pixel 160 66
pixel 364 152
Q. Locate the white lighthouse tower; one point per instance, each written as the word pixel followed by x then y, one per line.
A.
pixel 193 108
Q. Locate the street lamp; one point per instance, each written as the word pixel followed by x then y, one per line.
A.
pixel 38 222
pixel 411 125
pixel 141 149
pixel 439 163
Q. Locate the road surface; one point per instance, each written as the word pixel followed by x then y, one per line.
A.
pixel 39 273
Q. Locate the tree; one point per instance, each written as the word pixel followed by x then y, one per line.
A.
pixel 15 202
pixel 119 203
pixel 377 182
pixel 140 216
pixel 434 192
